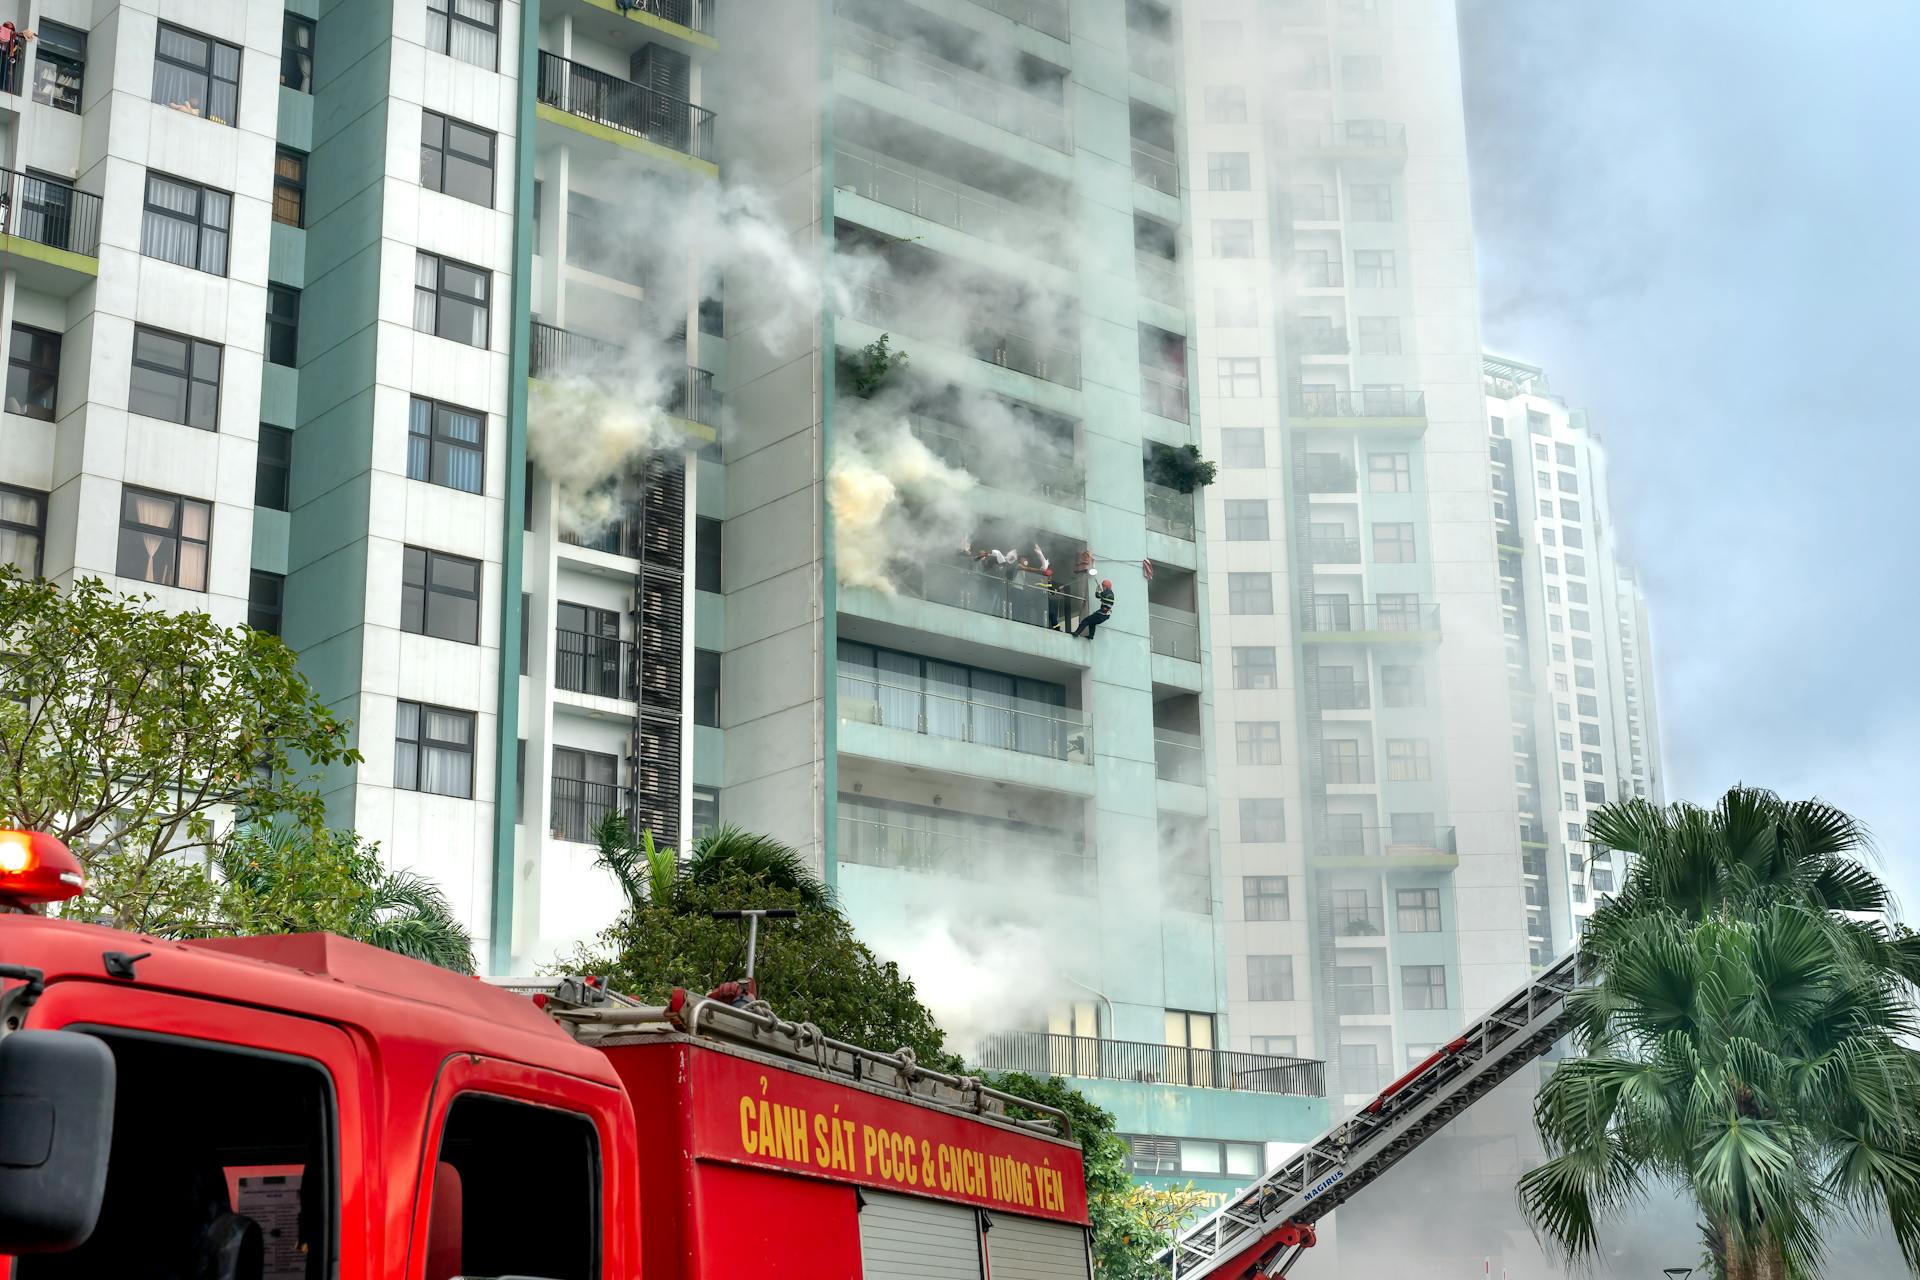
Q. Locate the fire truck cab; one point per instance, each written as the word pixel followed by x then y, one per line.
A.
pixel 309 1108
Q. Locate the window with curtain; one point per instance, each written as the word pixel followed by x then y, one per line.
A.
pixel 446 445
pixel 465 29
pixel 59 66
pixel 450 299
pixel 23 528
pixel 196 74
pixel 433 750
pixel 456 159
pixel 296 53
pixel 283 325
pixel 290 187
pixel 33 372
pixel 440 595
pixel 175 378
pixel 186 224
pixel 163 539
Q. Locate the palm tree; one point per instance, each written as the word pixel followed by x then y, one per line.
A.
pixel 406 913
pixel 644 871
pixel 647 872
pixel 1746 1044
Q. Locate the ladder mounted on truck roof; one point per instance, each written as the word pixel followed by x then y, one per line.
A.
pixel 593 1014
pixel 1263 1230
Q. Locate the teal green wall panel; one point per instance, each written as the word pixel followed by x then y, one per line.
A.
pixel 279 395
pixel 709 756
pixel 269 541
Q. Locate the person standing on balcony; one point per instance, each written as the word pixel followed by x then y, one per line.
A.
pixel 1091 623
pixel 1042 568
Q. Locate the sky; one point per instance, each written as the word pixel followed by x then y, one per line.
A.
pixel 1699 216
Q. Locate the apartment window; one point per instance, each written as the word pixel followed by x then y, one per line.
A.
pixel 1557 624
pixel 1563 712
pixel 1363 73
pixel 446 445
pixel 1577 592
pixel 465 29
pixel 163 539
pixel 456 159
pixel 1403 686
pixel 1588 704
pixel 283 325
pixel 296 53
pixel 1543 479
pixel 1263 820
pixel 706 810
pixel 1236 308
pixel 1374 269
pixel 433 750
pixel 1225 104
pixel 440 596
pixel 1393 543
pixel 1569 482
pixel 1269 977
pixel 197 75
pixel 1417 910
pixel 60 65
pixel 1229 171
pixel 1589 735
pixel 1243 447
pixel 1265 897
pixel 1553 595
pixel 1590 762
pixel 1232 238
pixel 1370 201
pixel 1238 376
pixel 1250 593
pixel 1379 335
pixel 1277 1046
pixel 1579 620
pixel 266 599
pixel 186 224
pixel 1576 565
pixel 1546 535
pixel 23 528
pixel 1546 507
pixel 706 553
pixel 1315 268
pixel 33 373
pixel 1423 986
pixel 272 468
pixel 1569 509
pixel 1255 667
pixel 175 378
pixel 1188 1030
pixel 1389 473
pixel 1408 761
pixel 1256 742
pixel 706 688
pixel 1596 793
pixel 450 299
pixel 1246 519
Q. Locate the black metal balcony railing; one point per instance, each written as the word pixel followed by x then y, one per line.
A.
pixel 1349 615
pixel 1040 1053
pixel 557 350
pixel 51 213
pixel 591 664
pixel 1344 695
pixel 1378 842
pixel 1360 404
pixel 1371 135
pixel 696 15
pixel 579 807
pixel 631 108
pixel 1333 550
pixel 694 398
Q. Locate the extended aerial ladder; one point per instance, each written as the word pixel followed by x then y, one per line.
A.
pixel 1264 1229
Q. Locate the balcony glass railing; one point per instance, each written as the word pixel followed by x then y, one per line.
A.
pixel 1333 550
pixel 1151 57
pixel 1169 511
pixel 1174 632
pixel 1384 842
pixel 977 852
pixel 1325 209
pixel 1003 722
pixel 1044 16
pixel 996 344
pixel 1179 757
pixel 579 807
pixel 1164 392
pixel 931 78
pixel 1311 272
pixel 1026 599
pixel 1360 404
pixel 1036 477
pixel 1348 615
pixel 1332 480
pixel 630 108
pixel 1347 770
pixel 1039 1053
pixel 1155 166
pixel 1371 135
pixel 1358 922
pixel 1160 279
pixel 1320 342
pixel 51 213
pixel 951 203
pixel 1344 695
pixel 1362 1000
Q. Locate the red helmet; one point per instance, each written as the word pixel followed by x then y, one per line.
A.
pixel 1106 584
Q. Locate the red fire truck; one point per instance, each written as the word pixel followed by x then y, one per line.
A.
pixel 308 1108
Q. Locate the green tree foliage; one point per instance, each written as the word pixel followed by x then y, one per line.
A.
pixel 1182 468
pixel 1748 1044
pixel 865 371
pixel 133 734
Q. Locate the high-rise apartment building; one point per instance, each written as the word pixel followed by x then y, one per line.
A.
pixel 1370 840
pixel 401 328
pixel 1579 655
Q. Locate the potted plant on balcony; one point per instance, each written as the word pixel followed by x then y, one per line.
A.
pixel 865 371
pixel 1181 469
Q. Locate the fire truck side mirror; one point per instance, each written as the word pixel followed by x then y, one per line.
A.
pixel 56 1128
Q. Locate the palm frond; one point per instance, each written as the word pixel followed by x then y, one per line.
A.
pixel 729 850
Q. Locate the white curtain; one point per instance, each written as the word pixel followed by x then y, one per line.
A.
pixel 462 466
pixel 406 749
pixel 900 696
pixel 447 770
pixel 173 235
pixel 426 282
pixel 475 44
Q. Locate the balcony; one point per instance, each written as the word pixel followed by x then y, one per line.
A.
pixel 1331 478
pixel 1045 16
pixel 930 78
pixel 900 312
pixel 1355 770
pixel 695 15
pixel 1384 842
pixel 1325 209
pixel 1157 167
pixel 561 351
pixel 1360 1001
pixel 1151 57
pixel 1333 550
pixel 1173 632
pixel 598 666
pixel 1169 511
pixel 628 109
pixel 1160 279
pixel 1350 137
pixel 1042 1054
pixel 1344 695
pixel 693 399
pixel 936 197
pixel 1064 486
pixel 986 853
pixel 1349 618
pixel 1362 407
pixel 1027 600
pixel 1179 757
pixel 579 807
pixel 1317 272
pixel 1006 723
pixel 52 234
pixel 1164 392
pixel 1320 342
pixel 1357 922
